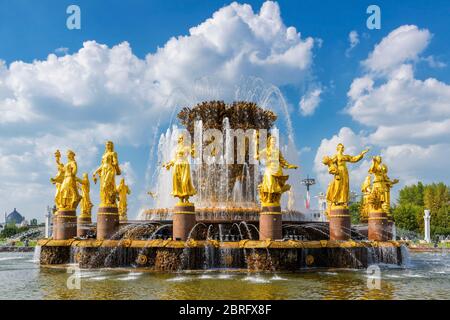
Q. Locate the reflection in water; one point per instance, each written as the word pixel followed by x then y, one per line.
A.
pixel 426 277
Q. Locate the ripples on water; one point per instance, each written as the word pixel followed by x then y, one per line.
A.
pixel 426 276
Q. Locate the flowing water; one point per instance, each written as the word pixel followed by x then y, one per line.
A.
pixel 427 276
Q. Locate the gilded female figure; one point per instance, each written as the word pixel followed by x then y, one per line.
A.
pixel 67 196
pixel 86 204
pixel 334 184
pixel 340 194
pixel 107 172
pixel 182 186
pixel 274 180
pixel 123 191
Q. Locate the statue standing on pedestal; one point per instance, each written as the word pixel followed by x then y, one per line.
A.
pixel 182 187
pixel 333 185
pixel 107 172
pixel 340 192
pixel 274 181
pixel 67 196
pixel 86 204
pixel 123 191
pixel 377 197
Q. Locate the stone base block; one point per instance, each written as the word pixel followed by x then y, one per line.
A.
pixel 270 223
pixel 65 226
pixel 183 221
pixel 107 222
pixel 377 225
pixel 83 226
pixel 340 224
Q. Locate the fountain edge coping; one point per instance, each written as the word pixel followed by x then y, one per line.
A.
pixel 243 244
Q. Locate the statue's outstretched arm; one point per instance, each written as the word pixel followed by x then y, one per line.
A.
pixel 357 158
pixel 286 165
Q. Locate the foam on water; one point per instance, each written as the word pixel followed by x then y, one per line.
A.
pixel 127 278
pixel 329 273
pixel 11 258
pixel 179 279
pixel 256 279
pixel 277 278
pixel 99 278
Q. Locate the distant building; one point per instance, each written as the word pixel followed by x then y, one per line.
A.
pixel 14 218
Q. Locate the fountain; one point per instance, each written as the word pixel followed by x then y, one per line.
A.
pixel 229 212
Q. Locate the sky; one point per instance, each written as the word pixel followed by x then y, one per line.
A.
pixel 123 75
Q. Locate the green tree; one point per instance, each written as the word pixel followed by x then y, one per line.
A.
pixel 407 216
pixel 412 201
pixel 354 209
pixel 436 199
pixel 412 194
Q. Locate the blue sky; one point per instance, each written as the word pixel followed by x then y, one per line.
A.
pixel 31 30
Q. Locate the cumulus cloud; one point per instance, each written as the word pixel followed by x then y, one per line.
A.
pixel 403 44
pixel 79 100
pixel 310 101
pixel 407 119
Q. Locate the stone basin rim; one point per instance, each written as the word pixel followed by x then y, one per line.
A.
pixel 247 244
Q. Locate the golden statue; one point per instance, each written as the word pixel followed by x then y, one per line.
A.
pixel 86 204
pixel 67 196
pixel 274 181
pixel 182 187
pixel 339 194
pixel 123 191
pixel 333 185
pixel 366 189
pixel 107 172
pixel 57 180
pixel 387 186
pixel 377 196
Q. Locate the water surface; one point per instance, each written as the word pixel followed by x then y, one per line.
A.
pixel 427 276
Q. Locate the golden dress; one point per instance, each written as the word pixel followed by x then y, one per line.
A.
pixel 109 168
pixel 341 190
pixel 68 191
pixel 182 186
pixel 274 180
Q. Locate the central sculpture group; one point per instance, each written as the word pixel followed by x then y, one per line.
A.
pixel 113 199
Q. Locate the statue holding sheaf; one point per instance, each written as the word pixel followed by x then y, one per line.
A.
pixel 67 196
pixel 377 196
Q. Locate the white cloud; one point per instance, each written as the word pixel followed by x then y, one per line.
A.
pixel 433 63
pixel 353 39
pixel 310 101
pixel 62 50
pixel 401 45
pixel 101 93
pixel 128 173
pixel 408 119
pixel 400 99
